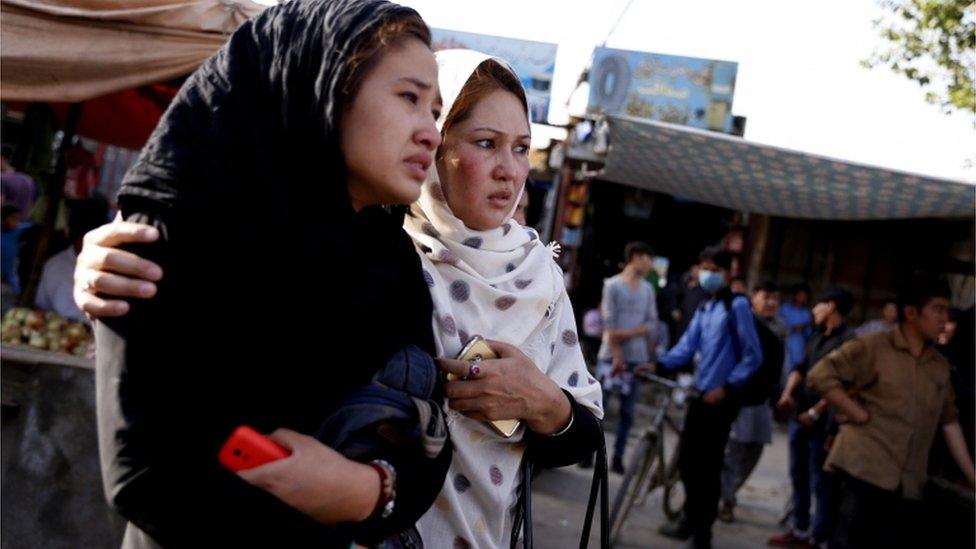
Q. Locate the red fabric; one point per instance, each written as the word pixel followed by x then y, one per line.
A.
pixel 125 118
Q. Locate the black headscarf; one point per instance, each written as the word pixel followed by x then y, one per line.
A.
pixel 245 178
pixel 265 105
pixel 277 298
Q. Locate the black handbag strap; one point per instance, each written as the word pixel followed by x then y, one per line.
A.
pixel 598 487
pixel 523 508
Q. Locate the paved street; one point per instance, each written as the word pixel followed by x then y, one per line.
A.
pixel 559 504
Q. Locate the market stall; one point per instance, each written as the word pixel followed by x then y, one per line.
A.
pixel 108 70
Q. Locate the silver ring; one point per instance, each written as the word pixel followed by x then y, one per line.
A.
pixel 90 285
pixel 473 368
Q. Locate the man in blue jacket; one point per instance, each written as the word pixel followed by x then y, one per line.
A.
pixel 724 367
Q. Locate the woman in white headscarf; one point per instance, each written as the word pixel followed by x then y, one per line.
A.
pixel 490 276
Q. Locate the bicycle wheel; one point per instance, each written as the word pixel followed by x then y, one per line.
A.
pixel 674 489
pixel 635 477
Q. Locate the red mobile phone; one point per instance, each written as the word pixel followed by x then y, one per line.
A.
pixel 247 448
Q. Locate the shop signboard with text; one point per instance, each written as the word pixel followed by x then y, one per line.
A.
pixel 679 90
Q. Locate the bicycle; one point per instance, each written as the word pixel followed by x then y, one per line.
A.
pixel 650 467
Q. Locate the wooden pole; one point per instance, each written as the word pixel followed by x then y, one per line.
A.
pixel 55 192
pixel 758 239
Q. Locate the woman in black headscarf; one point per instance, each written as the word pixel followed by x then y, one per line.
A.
pixel 308 288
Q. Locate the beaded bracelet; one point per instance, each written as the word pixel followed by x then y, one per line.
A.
pixel 384 507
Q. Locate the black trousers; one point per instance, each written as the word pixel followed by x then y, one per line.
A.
pixel 703 441
pixel 873 517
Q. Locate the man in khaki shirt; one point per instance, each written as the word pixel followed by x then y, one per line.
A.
pixel 903 396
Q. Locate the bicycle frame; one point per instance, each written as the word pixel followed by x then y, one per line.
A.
pixel 649 467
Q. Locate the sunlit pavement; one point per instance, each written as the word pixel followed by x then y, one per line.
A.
pixel 560 496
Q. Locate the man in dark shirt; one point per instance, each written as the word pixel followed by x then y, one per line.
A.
pixel 808 430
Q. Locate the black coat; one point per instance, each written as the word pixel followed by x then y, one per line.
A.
pixel 277 297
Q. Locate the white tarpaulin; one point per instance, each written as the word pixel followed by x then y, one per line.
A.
pixel 73 50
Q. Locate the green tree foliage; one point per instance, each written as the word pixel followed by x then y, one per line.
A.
pixel 932 42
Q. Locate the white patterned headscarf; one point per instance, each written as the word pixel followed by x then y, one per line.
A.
pixel 502 284
pixel 499 283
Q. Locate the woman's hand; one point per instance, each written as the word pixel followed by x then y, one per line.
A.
pixel 509 387
pixel 103 269
pixel 317 480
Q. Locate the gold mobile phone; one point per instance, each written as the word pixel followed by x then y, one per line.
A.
pixel 478 349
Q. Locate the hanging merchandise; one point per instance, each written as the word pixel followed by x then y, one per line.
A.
pixel 574 215
pixel 577 193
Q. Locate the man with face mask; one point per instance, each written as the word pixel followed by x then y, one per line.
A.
pixel 904 396
pixel 720 375
pixel 808 430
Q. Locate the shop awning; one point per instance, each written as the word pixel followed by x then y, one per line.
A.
pixel 737 174
pixel 74 50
